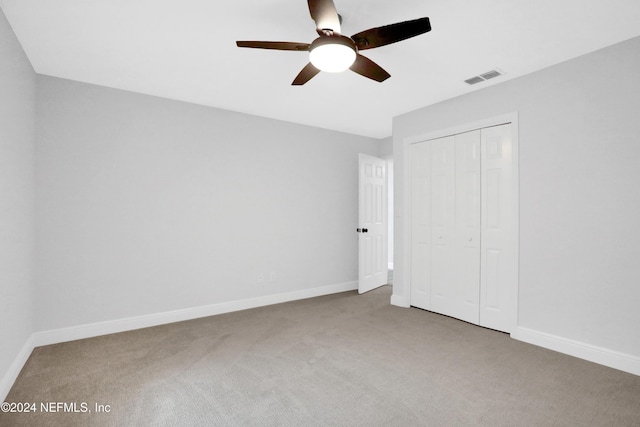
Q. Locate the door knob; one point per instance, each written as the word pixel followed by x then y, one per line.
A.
pixel 359 230
pixel 364 230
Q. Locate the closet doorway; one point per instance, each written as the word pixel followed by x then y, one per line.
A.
pixel 464 228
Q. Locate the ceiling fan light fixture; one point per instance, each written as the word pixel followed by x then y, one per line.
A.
pixel 332 53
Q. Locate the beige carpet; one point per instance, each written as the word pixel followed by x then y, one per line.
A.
pixel 339 360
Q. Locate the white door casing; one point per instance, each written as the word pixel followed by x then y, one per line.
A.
pixel 372 224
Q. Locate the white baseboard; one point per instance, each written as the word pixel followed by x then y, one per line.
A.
pixel 602 356
pixel 129 324
pixel 7 380
pixel 56 336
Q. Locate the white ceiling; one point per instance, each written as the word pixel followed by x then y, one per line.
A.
pixel 185 50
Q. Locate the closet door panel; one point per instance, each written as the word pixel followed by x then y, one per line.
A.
pixel 421 230
pixel 498 273
pixel 442 222
pixel 467 227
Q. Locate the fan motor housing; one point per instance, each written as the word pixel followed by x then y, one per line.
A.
pixel 333 39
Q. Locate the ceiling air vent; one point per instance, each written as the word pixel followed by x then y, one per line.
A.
pixel 474 80
pixel 490 74
pixel 482 77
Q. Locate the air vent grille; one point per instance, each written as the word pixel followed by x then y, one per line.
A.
pixel 490 74
pixel 474 80
pixel 482 77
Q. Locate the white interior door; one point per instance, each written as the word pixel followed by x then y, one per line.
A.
pixel 372 225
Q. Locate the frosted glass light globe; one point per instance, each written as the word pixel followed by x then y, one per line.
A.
pixel 332 57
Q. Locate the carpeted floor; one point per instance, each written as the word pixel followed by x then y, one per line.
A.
pixel 338 360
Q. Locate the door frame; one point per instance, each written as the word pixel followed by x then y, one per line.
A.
pixel 402 287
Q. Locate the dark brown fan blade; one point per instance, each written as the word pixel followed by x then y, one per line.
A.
pixel 381 36
pixel 325 14
pixel 307 73
pixel 366 67
pixel 274 45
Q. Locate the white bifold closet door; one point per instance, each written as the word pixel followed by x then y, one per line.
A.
pixel 499 261
pixel 462 251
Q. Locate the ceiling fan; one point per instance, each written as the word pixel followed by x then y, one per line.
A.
pixel 334 52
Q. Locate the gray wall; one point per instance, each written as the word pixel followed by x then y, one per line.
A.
pixel 147 205
pixel 386 148
pixel 17 139
pixel 579 198
pixel 386 152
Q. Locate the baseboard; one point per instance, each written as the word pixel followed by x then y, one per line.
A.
pixel 7 380
pixel 128 324
pixel 602 356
